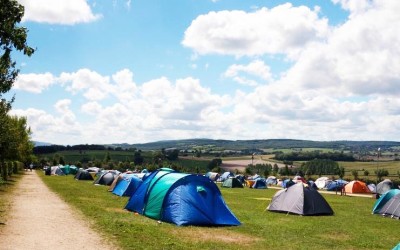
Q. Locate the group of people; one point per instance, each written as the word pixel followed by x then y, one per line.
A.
pixel 29 167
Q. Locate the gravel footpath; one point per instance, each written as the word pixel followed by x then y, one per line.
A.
pixel 39 219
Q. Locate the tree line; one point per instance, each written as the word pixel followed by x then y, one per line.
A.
pixel 15 144
pixel 311 155
pixel 81 148
pixel 321 167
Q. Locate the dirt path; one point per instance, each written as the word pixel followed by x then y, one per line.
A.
pixel 39 219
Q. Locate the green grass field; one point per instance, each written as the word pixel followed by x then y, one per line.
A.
pixel 352 227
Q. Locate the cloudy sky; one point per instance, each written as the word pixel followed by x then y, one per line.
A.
pixel 127 71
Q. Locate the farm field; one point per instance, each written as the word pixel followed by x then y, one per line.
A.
pixel 240 163
pixel 351 227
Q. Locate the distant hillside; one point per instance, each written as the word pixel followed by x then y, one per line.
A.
pixel 260 144
pixel 38 143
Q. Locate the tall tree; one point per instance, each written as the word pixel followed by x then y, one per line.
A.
pixel 107 157
pixel 15 141
pixel 12 37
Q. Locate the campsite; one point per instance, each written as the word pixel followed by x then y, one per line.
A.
pixel 352 226
pixel 199 124
pixel 185 207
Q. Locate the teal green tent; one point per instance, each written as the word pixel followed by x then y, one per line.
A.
pixel 384 199
pixel 67 169
pixel 182 199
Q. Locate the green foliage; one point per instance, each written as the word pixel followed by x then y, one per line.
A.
pixel 172 155
pixel 107 157
pixel 320 167
pixel 14 141
pixel 61 161
pixel 214 163
pixel 12 38
pixel 285 171
pixel 275 169
pixel 381 173
pixel 341 172
pixel 260 169
pixel 138 158
pixel 354 173
pixel 307 156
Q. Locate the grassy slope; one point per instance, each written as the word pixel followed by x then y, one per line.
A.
pixel 352 226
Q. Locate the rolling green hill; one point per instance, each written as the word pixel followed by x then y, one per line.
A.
pixel 270 143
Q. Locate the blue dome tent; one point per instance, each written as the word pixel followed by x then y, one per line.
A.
pixel 259 184
pixel 336 185
pixel 182 199
pixel 127 185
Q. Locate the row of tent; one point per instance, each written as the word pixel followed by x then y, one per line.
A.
pixel 234 182
pixel 188 199
pixel 228 180
pixel 308 201
pixel 169 196
pixel 61 170
pixel 354 186
pixel 203 210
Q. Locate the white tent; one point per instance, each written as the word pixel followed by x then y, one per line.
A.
pixel 322 182
pixel 56 170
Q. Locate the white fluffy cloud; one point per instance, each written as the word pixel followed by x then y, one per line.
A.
pixel 96 87
pixel 60 128
pixel 342 84
pixel 355 7
pixel 282 29
pixel 256 69
pixel 138 112
pixel 360 57
pixel 58 11
pixel 34 83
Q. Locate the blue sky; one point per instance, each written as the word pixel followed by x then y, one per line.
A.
pixel 142 71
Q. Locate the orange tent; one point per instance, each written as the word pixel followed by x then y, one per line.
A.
pixel 356 187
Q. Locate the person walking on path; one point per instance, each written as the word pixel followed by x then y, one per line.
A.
pixel 39 219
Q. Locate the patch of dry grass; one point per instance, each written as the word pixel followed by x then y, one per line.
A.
pixel 205 234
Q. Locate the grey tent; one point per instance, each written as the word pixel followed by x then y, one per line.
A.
pixel 392 207
pixel 106 178
pixel 232 182
pixel 225 176
pixel 83 174
pixel 299 199
pixel 384 186
pixel 212 175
